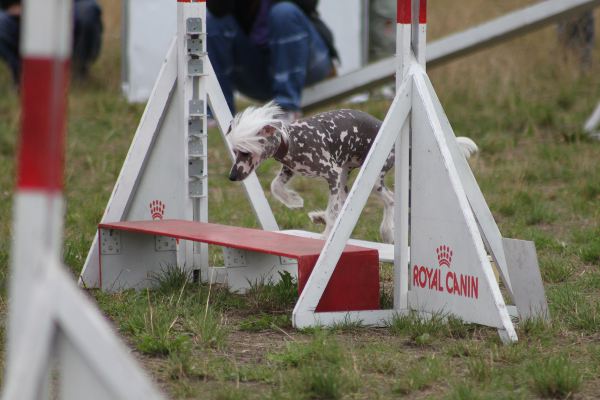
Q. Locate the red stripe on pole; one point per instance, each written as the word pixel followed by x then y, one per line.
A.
pixel 191 1
pixel 403 12
pixel 44 105
pixel 423 12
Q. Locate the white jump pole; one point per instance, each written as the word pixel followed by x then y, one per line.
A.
pixel 59 345
pixel 402 167
pixel 38 202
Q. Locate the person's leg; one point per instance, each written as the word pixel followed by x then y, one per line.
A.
pixel 587 36
pixel 87 38
pixel 9 43
pixel 577 35
pixel 299 56
pixel 238 63
pixel 221 35
pixel 251 72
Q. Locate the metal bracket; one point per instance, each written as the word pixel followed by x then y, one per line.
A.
pixel 196 166
pixel 164 243
pixel 287 261
pixel 110 242
pixel 196 108
pixel 234 257
pixel 193 26
pixel 195 67
pixel 196 146
pixel 195 46
pixel 195 126
pixel 196 186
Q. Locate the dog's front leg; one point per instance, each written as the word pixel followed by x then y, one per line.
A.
pixel 287 196
pixel 338 191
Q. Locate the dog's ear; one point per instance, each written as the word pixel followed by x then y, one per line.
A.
pixel 267 131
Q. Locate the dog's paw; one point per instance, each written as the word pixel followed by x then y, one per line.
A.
pixel 317 217
pixel 288 198
pixel 293 200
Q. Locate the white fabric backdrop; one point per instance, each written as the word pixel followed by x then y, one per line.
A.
pixel 149 25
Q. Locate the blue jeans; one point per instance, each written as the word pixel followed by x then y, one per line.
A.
pixel 9 43
pixel 87 38
pixel 295 56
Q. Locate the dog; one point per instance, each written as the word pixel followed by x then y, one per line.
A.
pixel 328 145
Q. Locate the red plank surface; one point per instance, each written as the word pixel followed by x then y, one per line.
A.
pixel 230 236
pixel 354 284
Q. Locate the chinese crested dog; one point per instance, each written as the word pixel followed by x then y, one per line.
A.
pixel 328 145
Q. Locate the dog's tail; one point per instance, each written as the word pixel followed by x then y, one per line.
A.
pixel 467 146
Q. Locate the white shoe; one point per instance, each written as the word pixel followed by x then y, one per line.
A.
pixel 290 116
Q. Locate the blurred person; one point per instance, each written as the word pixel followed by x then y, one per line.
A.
pixel 382 29
pixel 578 34
pixel 269 49
pixel 382 37
pixel 87 38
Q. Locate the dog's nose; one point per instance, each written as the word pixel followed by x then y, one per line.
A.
pixel 233 175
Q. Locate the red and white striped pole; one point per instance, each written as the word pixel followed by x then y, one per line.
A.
pixel 403 38
pixel 38 203
pixel 401 174
pixel 419 30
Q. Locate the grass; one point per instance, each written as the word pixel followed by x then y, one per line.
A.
pixel 520 102
pixel 267 296
pixel 421 376
pixel 318 369
pixel 423 330
pixel 555 377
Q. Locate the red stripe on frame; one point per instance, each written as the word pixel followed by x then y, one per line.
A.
pixel 191 1
pixel 403 12
pixel 44 105
pixel 423 12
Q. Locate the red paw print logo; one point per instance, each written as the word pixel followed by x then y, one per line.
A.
pixel 444 255
pixel 157 210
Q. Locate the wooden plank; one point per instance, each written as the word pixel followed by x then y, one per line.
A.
pixel 448 48
pixel 385 250
pixel 528 289
pixel 230 236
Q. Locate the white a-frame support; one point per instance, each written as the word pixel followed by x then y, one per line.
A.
pixel 59 345
pixel 165 172
pixel 439 207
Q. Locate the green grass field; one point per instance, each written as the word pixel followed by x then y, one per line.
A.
pixel 523 102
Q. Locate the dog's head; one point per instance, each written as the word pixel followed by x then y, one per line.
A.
pixel 255 135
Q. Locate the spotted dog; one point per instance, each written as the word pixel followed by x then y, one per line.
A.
pixel 328 145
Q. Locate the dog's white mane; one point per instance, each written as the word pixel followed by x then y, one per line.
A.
pixel 246 125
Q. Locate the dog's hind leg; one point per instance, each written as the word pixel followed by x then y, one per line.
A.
pixel 386 229
pixel 287 196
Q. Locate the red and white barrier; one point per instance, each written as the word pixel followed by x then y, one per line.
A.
pixel 49 318
pixel 38 202
pixel 451 227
